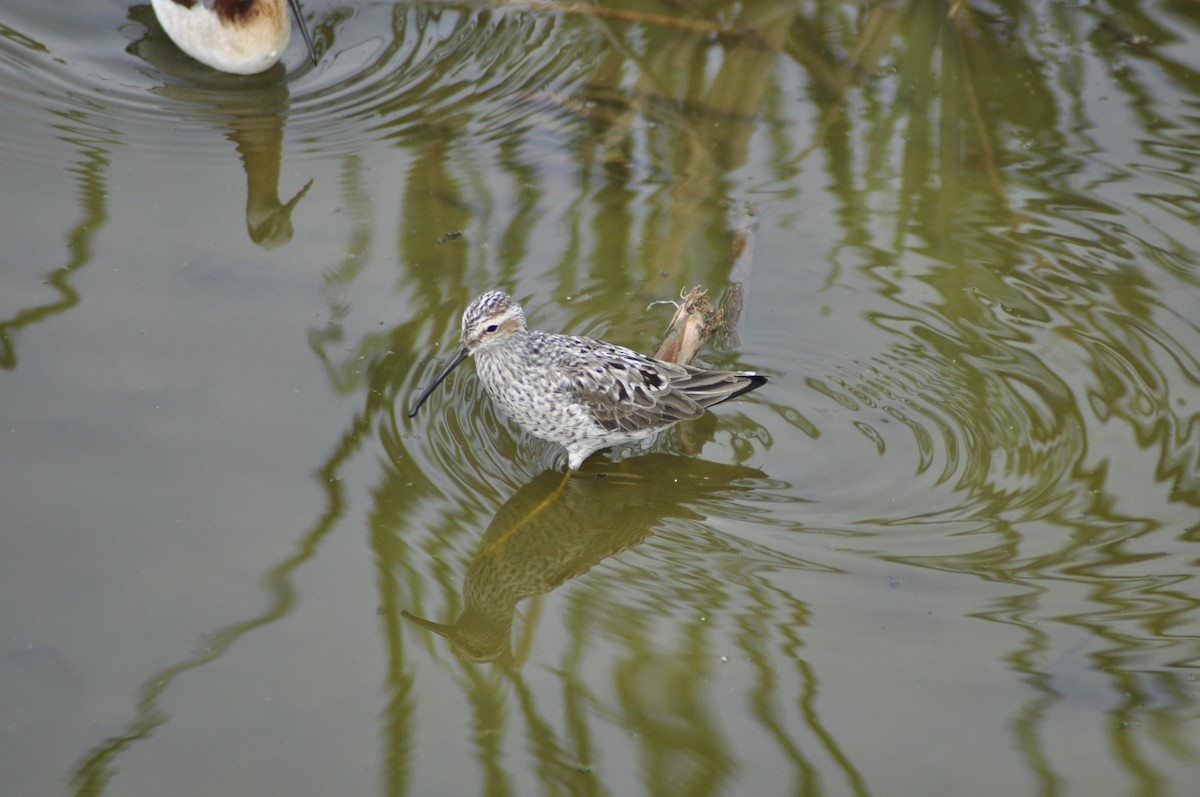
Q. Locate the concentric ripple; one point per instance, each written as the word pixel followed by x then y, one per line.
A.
pixel 393 71
pixel 419 69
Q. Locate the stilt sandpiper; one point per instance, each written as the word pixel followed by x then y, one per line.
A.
pixel 581 393
pixel 240 36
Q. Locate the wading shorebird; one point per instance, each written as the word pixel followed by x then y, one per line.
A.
pixel 581 393
pixel 240 36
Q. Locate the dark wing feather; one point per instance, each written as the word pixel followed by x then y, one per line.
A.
pixel 707 388
pixel 627 391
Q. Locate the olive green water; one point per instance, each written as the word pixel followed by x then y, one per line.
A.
pixel 950 548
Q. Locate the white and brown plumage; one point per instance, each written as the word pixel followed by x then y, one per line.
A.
pixel 240 36
pixel 581 393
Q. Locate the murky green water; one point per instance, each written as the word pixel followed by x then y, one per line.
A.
pixel 951 548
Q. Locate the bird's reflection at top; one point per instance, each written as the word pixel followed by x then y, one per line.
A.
pixel 251 109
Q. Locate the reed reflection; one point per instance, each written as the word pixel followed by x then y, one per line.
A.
pixel 554 530
pixel 91 175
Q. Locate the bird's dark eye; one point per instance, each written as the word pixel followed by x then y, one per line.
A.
pixel 491 328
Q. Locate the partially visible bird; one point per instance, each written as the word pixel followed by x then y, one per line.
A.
pixel 581 393
pixel 240 36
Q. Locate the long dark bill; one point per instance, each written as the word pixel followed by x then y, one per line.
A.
pixel 299 15
pixel 459 356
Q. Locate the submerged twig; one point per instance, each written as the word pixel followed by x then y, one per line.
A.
pixel 694 322
pixel 744 225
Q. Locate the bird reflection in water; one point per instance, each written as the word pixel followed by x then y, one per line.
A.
pixel 250 111
pixel 553 530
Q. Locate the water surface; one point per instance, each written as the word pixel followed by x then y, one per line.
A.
pixel 947 550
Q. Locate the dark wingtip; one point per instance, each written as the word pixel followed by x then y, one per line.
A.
pixel 753 382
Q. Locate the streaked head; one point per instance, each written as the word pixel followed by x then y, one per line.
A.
pixel 490 320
